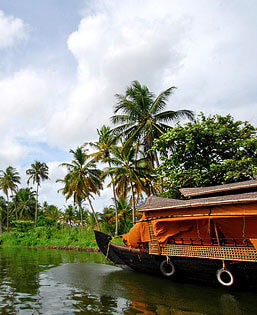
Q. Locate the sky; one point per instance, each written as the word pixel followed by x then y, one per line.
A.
pixel 62 61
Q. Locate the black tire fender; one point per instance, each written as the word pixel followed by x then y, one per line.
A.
pixel 220 273
pixel 167 268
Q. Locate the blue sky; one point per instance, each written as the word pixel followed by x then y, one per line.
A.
pixel 62 61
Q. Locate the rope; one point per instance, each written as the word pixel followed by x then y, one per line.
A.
pixel 113 237
pixel 108 250
pixel 244 224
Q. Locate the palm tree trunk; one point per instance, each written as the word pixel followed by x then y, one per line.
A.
pixel 96 220
pixel 15 206
pixel 1 228
pixel 7 223
pixel 157 165
pixel 81 214
pixel 133 204
pixel 116 207
pixel 36 208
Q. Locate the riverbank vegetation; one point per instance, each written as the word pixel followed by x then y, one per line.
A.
pixel 140 155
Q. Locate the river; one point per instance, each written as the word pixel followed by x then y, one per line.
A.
pixel 37 281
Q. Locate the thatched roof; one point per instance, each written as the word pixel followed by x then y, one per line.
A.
pixel 199 191
pixel 157 203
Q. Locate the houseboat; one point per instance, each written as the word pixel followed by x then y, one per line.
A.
pixel 209 236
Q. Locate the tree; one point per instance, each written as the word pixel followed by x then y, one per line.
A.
pixel 209 151
pixel 129 173
pixel 37 172
pixel 25 203
pixel 3 211
pixel 53 213
pixel 104 147
pixel 8 182
pixel 141 116
pixel 82 180
pixel 69 215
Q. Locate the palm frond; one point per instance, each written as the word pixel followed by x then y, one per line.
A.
pixel 160 102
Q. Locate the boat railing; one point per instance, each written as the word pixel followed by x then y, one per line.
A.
pixel 234 242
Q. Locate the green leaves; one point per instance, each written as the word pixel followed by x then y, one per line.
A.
pixel 209 151
pixel 141 116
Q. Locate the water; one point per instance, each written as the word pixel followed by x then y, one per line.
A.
pixel 60 282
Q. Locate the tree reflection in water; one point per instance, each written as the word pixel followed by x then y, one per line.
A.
pixel 59 282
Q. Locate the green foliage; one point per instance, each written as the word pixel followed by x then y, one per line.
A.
pixel 141 116
pixel 209 151
pixel 23 226
pixel 45 221
pixel 82 180
pixel 50 236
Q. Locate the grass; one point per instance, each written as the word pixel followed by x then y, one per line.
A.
pixel 52 236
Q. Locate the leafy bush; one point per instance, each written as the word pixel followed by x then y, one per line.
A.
pixel 23 226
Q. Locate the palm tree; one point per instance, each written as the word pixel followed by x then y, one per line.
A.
pixel 3 211
pixel 129 173
pixel 69 215
pixel 82 180
pixel 8 182
pixel 37 172
pixel 104 147
pixel 53 213
pixel 25 203
pixel 141 117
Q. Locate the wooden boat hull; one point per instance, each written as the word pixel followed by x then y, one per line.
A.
pixel 186 268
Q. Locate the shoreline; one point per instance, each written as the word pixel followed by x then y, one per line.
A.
pixel 73 248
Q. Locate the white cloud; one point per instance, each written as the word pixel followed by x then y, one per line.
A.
pixel 11 152
pixel 204 48
pixel 112 48
pixel 12 29
pixel 28 98
pixel 22 96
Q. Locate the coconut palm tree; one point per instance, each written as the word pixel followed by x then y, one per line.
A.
pixel 9 180
pixel 82 180
pixel 69 215
pixel 104 147
pixel 25 203
pixel 3 211
pixel 37 172
pixel 129 173
pixel 141 118
pixel 53 213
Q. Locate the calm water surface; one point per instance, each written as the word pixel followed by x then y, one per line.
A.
pixel 60 282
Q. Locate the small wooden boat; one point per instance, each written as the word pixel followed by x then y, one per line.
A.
pixel 211 237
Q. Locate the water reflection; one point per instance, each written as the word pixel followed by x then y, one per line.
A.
pixel 58 282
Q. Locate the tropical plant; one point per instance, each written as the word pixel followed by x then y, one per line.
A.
pixel 53 213
pixel 141 117
pixel 82 180
pixel 69 215
pixel 129 174
pixel 3 212
pixel 37 172
pixel 9 180
pixel 104 147
pixel 212 150
pixel 25 203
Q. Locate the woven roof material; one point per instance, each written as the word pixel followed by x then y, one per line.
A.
pixel 191 192
pixel 157 203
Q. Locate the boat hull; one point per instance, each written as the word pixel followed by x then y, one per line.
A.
pixel 186 268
